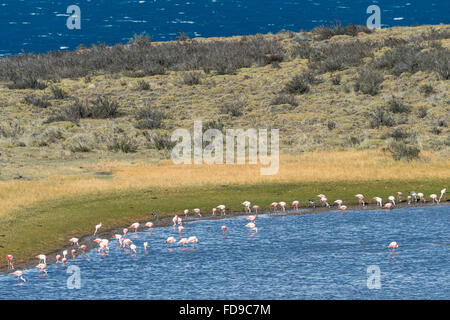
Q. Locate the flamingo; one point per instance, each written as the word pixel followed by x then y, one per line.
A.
pixel 42 267
pixel 170 240
pixel 58 257
pixel 251 218
pixel 126 242
pixel 361 199
pixel 145 245
pixel 342 207
pixel 186 212
pixel 214 210
pixel 321 196
pixel 393 245
pixel 409 199
pixel 149 225
pixel 388 205
pixel 222 209
pixel 421 197
pixel 250 225
pixel 379 201
pixel 414 195
pixel 42 258
pixel 64 261
pixel 83 248
pixel 443 192
pixel 324 201
pixel 175 220
pixel 274 205
pixel 133 248
pixel 19 275
pixel 283 206
pixel 193 239
pixel 295 204
pixel 118 237
pixel 135 226
pixel 74 254
pixel 180 229
pixel 197 211
pixel 74 241
pixel 97 227
pixel 10 259
pixel 125 231
pixel 434 198
pixel 392 199
pixel 338 202
pixel 247 204
pixel 64 253
pixel 399 196
pixel 183 241
pixel 256 208
pixel 224 229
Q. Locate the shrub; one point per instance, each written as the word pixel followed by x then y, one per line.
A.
pixel 333 29
pixel 284 98
pixel 11 129
pixel 149 118
pixel 399 133
pixel 38 101
pixel 422 112
pixel 396 106
pixel 368 81
pixel 336 79
pixel 402 150
pixel 235 109
pixel 122 142
pixel 331 125
pixel 381 117
pixel 426 89
pixel 27 83
pixel 104 107
pixel 192 78
pixel 159 141
pixel 79 143
pixel 143 85
pixel 297 85
pixel 59 93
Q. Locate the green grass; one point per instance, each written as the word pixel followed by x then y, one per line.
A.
pixel 46 227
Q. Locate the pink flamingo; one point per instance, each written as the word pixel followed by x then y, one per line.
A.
pixel 10 259
pixel 197 211
pixel 180 229
pixel 175 220
pixel 125 231
pixel 342 207
pixel 283 206
pixel 149 225
pixel 145 246
pixel 434 198
pixel 399 196
pixel 97 227
pixel 251 218
pixel 83 248
pixel 324 201
pixel 361 199
pixel 443 192
pixel 256 208
pixel 247 204
pixel 393 245
pixel 250 225
pixel 74 241
pixel 42 258
pixel 186 212
pixel 222 209
pixel 133 248
pixel 193 239
pixel 224 229
pixel 338 202
pixel 134 226
pixel 392 200
pixel 409 199
pixel 421 197
pixel 170 240
pixel 183 241
pixel 274 205
pixel 74 254
pixel 388 205
pixel 295 204
pixel 58 257
pixel 214 210
pixel 126 242
pixel 19 275
pixel 42 268
pixel 379 201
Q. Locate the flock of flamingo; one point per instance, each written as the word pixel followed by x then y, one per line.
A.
pixel 124 242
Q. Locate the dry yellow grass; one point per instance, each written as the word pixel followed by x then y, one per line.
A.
pixel 368 165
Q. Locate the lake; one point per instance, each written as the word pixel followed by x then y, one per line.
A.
pixel 40 25
pixel 310 256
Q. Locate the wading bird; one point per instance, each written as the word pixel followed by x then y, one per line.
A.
pixel 295 204
pixel 19 275
pixel 283 206
pixel 342 207
pixel 214 210
pixel 256 208
pixel 42 258
pixel 193 239
pixel 399 196
pixel 443 192
pixel 388 205
pixel 74 254
pixel 222 209
pixel 180 230
pixel 250 225
pixel 409 199
pixel 97 227
pixel 125 231
pixel 74 241
pixel 197 211
pixel 183 241
pixel 170 240
pixel 324 202
pixel 145 246
pixel 379 201
pixel 134 226
pixel 42 268
pixel 392 200
pixel 224 229
pixel 393 245
pixel 360 199
pixel 421 197
pixel 175 220
pixel 83 248
pixel 434 198
pixel 10 259
pixel 149 225
pixel 247 204
pixel 338 202
pixel 58 257
pixel 133 248
pixel 274 205
pixel 186 212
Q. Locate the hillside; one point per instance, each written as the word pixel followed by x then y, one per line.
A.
pixel 362 90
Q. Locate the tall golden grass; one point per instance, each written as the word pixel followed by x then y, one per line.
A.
pixel 366 165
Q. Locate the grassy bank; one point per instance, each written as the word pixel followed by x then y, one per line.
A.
pixel 45 226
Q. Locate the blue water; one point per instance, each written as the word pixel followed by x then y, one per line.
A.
pixel 40 25
pixel 314 256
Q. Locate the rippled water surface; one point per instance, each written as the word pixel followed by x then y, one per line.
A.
pixel 313 256
pixel 40 25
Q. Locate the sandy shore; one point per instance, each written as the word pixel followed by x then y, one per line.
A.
pixel 167 221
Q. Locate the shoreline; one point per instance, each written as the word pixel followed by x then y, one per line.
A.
pixel 166 221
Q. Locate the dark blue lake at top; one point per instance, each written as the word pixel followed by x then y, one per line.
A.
pixel 312 256
pixel 40 25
